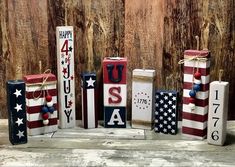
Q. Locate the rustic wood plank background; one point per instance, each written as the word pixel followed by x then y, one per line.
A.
pixel 151 34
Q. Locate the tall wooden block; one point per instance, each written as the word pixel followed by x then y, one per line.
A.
pixel 115 90
pixel 194 120
pixel 142 98
pixel 166 115
pixel 218 111
pixel 114 117
pixel 37 88
pixel 65 72
pixel 16 112
pixel 88 91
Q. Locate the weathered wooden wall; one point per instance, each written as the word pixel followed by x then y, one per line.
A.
pixel 152 34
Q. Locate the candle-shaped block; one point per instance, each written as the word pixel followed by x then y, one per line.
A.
pixel 115 92
pixel 218 111
pixel 195 93
pixel 142 98
pixel 16 112
pixel 88 91
pixel 65 73
pixel 166 114
pixel 41 103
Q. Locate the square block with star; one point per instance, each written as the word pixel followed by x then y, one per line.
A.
pixel 89 101
pixel 41 103
pixel 65 73
pixel 115 117
pixel 16 112
pixel 166 106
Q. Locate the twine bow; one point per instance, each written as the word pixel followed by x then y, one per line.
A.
pixel 198 58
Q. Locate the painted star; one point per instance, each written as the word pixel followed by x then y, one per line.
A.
pixel 17 93
pixel 173 106
pixel 161 117
pixel 165 105
pixel 90 82
pixel 165 114
pixel 19 121
pixel 161 101
pixel 165 97
pixel 64 70
pixel 174 98
pixel 70 49
pixel 20 134
pixel 169 102
pixel 164 130
pixel 165 122
pixel 62 55
pixel 70 103
pixel 160 125
pixel 62 62
pixel 72 77
pixel 172 131
pixel 18 107
pixel 169 126
pixel 161 93
pixel 170 94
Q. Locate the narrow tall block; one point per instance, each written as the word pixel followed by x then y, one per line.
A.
pixel 89 101
pixel 16 112
pixel 142 98
pixel 218 111
pixel 65 72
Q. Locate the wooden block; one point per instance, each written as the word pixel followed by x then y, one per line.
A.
pixel 218 111
pixel 16 112
pixel 65 73
pixel 88 91
pixel 37 88
pixel 194 122
pixel 166 115
pixel 115 117
pixel 142 98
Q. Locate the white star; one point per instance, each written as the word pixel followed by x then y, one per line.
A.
pixel 156 121
pixel 169 110
pixel 161 93
pixel 157 97
pixel 174 98
pixel 169 126
pixel 161 117
pixel 19 121
pixel 169 118
pixel 172 131
pixel 165 114
pixel 18 107
pixel 165 97
pixel 165 122
pixel 164 130
pixel 90 82
pixel 170 102
pixel 20 134
pixel 173 123
pixel 173 106
pixel 170 94
pixel 161 101
pixel 156 113
pixel 156 104
pixel 173 114
pixel 160 125
pixel 165 105
pixel 156 129
pixel 161 109
pixel 17 93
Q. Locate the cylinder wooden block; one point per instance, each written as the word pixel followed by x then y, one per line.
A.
pixel 65 72
pixel 142 98
pixel 218 111
pixel 16 112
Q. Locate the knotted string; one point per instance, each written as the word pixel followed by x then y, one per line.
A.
pixel 220 74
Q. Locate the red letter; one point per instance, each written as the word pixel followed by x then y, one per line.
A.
pixel 115 91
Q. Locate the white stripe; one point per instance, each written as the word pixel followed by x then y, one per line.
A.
pixel 193 136
pixel 189 78
pixel 198 110
pixel 197 64
pixel 194 124
pixel 83 123
pixel 42 130
pixel 38 87
pixel 39 102
pixel 38 116
pixel 90 108
pixel 203 95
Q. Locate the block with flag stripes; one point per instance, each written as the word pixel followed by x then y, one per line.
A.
pixel 195 93
pixel 88 91
pixel 41 103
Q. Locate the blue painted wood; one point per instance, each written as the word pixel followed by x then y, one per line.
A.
pixel 86 77
pixel 16 112
pixel 166 112
pixel 115 117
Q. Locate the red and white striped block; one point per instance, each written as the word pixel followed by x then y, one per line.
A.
pixel 35 99
pixel 194 122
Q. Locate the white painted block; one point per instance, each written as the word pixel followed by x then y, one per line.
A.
pixel 200 94
pixel 39 101
pixel 199 110
pixel 218 110
pixel 189 78
pixel 142 98
pixel 66 77
pixel 195 64
pixel 38 116
pixel 194 124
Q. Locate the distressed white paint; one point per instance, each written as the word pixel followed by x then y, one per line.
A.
pixel 218 111
pixel 64 121
pixel 38 116
pixel 200 94
pixel 33 88
pixel 194 124
pixel 42 130
pixel 200 110
pixel 90 108
pixel 205 64
pixel 189 78
pixel 142 98
pixel 39 101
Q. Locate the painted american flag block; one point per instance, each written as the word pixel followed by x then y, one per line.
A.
pixel 88 91
pixel 16 112
pixel 38 87
pixel 166 105
pixel 195 93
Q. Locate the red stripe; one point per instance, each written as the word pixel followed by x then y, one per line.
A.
pixel 197 53
pixel 199 102
pixel 39 123
pixel 85 108
pixel 188 85
pixel 31 95
pixel 96 114
pixel 190 70
pixel 194 117
pixel 37 109
pixel 195 132
pixel 38 78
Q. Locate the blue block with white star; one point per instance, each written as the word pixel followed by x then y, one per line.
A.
pixel 166 106
pixel 88 80
pixel 16 112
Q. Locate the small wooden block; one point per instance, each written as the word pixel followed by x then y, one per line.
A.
pixel 166 115
pixel 88 91
pixel 142 99
pixel 115 117
pixel 16 112
pixel 66 77
pixel 218 111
